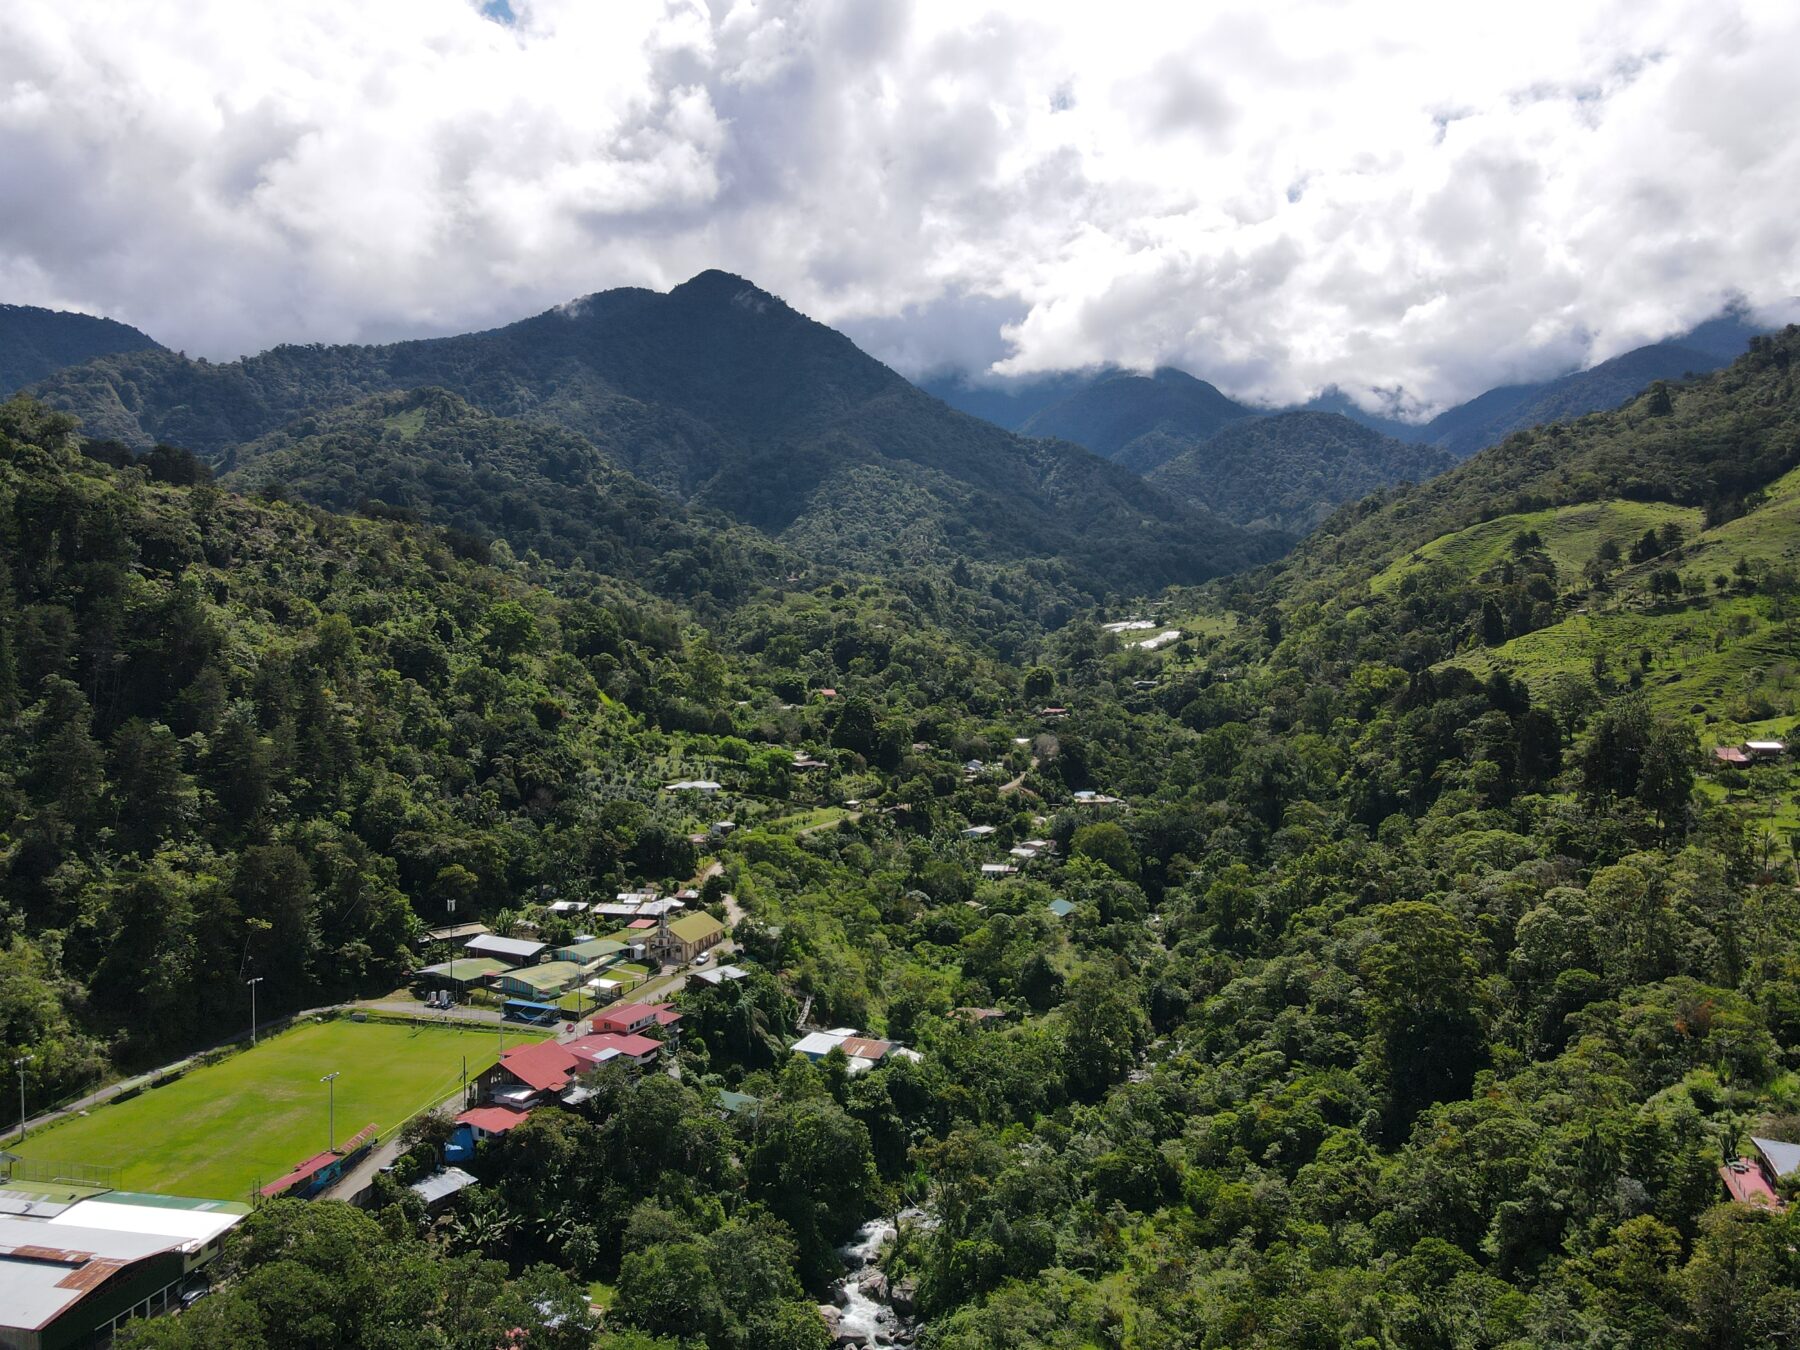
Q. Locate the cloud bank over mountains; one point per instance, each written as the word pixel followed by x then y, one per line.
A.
pixel 1409 198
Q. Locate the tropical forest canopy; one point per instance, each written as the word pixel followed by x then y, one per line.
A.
pixel 1410 992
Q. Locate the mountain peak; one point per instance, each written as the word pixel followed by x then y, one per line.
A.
pixel 716 286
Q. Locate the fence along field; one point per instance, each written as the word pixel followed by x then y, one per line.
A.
pixel 221 1130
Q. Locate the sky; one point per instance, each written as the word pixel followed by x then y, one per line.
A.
pixel 1410 201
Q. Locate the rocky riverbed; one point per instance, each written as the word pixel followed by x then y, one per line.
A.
pixel 867 1308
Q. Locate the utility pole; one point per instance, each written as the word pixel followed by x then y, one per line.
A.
pixel 20 1064
pixel 450 911
pixel 253 982
pixel 330 1081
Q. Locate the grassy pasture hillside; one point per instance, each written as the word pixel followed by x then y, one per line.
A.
pixel 1727 654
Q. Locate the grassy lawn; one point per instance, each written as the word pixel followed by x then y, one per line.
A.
pixel 219 1131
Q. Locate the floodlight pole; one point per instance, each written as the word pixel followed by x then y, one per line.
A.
pixel 330 1081
pixel 253 982
pixel 20 1064
pixel 450 909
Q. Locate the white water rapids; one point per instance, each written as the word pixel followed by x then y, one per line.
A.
pixel 866 1319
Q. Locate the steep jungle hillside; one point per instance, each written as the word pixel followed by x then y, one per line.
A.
pixel 37 342
pixel 258 738
pixel 723 395
pixel 1009 404
pixel 1290 471
pixel 428 455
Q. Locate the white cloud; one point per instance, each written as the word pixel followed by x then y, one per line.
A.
pixel 1277 196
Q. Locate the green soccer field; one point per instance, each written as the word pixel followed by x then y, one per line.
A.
pixel 220 1131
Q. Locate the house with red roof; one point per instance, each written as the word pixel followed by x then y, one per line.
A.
pixel 529 1074
pixel 488 1121
pixel 526 1073
pixel 630 1018
pixel 605 1047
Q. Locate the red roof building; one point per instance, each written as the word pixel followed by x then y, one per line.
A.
pixel 488 1121
pixel 632 1017
pixel 598 1049
pixel 1747 1184
pixel 305 1172
pixel 543 1066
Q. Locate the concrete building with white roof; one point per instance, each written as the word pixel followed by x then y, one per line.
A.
pixel 72 1271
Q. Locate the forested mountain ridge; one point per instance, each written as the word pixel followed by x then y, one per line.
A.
pixel 258 736
pixel 427 454
pixel 723 395
pixel 1136 419
pixel 1291 470
pixel 37 342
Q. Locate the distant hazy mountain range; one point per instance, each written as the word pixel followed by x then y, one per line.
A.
pixel 1111 411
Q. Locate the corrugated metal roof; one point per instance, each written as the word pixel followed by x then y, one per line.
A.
pixel 501 946
pixel 1782 1156
pixel 442 1184
pixel 40 1282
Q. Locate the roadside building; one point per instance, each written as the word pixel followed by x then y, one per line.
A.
pixel 631 1018
pixel 681 940
pixel 548 981
pixel 456 932
pixel 490 1122
pixel 443 1185
pixel 720 974
pixel 463 974
pixel 513 951
pixel 1757 1180
pixel 68 1281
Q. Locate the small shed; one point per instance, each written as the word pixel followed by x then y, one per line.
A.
pixel 437 1189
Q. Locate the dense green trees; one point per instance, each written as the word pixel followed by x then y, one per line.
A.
pixel 320 1276
pixel 1398 1001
